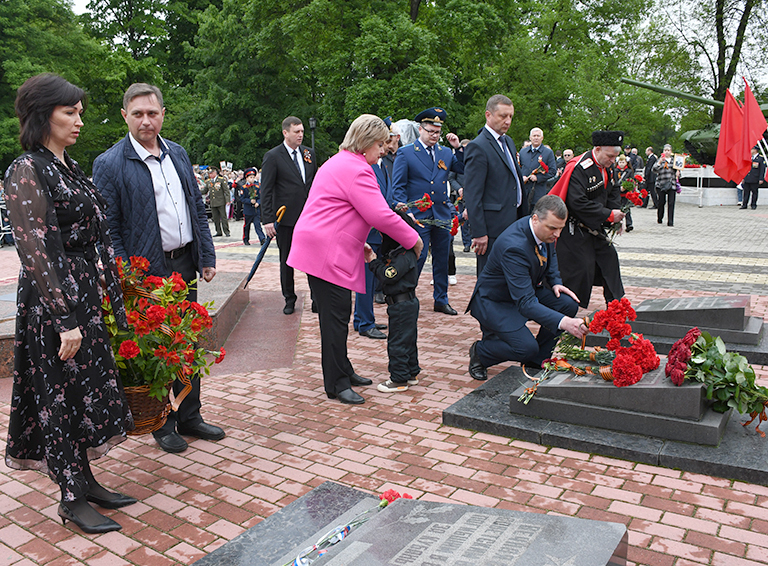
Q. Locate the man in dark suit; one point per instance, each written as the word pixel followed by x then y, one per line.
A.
pixel 286 176
pixel 650 176
pixel 521 282
pixel 422 168
pixel 493 183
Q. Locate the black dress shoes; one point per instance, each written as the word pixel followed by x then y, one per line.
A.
pixel 445 309
pixel 172 442
pixel 314 307
pixel 374 333
pixel 348 397
pixel 355 379
pixel 476 369
pixel 105 526
pixel 288 309
pixel 378 298
pixel 203 430
pixel 119 500
pixel 380 326
pixel 466 249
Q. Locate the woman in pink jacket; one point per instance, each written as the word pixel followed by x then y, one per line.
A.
pixel 329 243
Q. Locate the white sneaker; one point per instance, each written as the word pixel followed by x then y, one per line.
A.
pixel 452 280
pixel 390 386
pixel 431 281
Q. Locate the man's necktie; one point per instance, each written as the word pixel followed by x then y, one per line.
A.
pixel 541 254
pixel 431 152
pixel 296 161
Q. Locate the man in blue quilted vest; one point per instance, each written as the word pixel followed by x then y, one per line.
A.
pixel 156 211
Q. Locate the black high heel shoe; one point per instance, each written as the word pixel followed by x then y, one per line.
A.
pixel 106 526
pixel 115 503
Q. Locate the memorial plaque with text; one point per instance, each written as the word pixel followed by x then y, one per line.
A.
pixel 422 533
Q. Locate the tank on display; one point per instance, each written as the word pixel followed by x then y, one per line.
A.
pixel 701 144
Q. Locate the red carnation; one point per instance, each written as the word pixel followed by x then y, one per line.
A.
pixel 129 349
pixel 625 370
pixel 155 316
pixel 220 357
pixel 454 226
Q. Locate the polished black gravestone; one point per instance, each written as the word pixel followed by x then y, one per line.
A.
pixel 423 533
pixel 742 453
pixel 653 407
pixel 281 537
pixel 664 321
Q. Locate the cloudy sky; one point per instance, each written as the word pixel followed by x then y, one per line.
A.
pixel 79 6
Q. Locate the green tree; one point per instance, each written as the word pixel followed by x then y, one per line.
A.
pixel 45 36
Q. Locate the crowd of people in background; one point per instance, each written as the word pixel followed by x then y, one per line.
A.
pixel 536 221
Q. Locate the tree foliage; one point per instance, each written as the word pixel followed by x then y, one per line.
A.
pixel 231 70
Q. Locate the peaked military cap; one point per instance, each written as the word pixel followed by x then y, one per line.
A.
pixel 249 171
pixel 435 116
pixel 388 124
pixel 609 137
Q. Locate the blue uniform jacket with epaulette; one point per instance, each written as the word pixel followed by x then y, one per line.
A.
pixel 415 174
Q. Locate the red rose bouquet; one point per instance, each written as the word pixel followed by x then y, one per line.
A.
pixel 728 377
pixel 163 326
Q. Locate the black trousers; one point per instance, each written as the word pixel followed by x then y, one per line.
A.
pixel 284 240
pixel 334 307
pixel 668 198
pixel 751 190
pixel 188 414
pixel 520 345
pixel 401 340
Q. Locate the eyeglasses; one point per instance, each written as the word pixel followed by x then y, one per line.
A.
pixel 431 132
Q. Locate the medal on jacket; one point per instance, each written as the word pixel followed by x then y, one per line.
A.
pixel 542 259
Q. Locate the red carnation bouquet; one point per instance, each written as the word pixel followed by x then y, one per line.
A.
pixel 163 327
pixel 622 365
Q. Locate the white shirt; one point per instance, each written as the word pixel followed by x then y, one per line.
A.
pixel 505 151
pixel 172 209
pixel 299 156
pixel 538 243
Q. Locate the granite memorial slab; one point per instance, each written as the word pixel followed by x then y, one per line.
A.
pixel 664 321
pixel 741 455
pixel 715 312
pixel 653 407
pixel 424 533
pixel 298 525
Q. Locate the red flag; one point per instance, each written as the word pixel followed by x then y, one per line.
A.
pixel 754 126
pixel 731 130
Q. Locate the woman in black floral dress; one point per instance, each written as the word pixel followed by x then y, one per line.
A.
pixel 68 405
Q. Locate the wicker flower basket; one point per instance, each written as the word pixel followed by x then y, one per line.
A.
pixel 149 414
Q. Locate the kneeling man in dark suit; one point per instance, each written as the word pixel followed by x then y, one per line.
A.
pixel 521 282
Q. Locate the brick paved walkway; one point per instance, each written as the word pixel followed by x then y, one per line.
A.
pixel 285 437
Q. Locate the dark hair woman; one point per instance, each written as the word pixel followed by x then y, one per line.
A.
pixel 68 404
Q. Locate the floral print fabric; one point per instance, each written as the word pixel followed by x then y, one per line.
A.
pixel 62 412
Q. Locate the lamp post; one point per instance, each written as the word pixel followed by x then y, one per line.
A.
pixel 312 126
